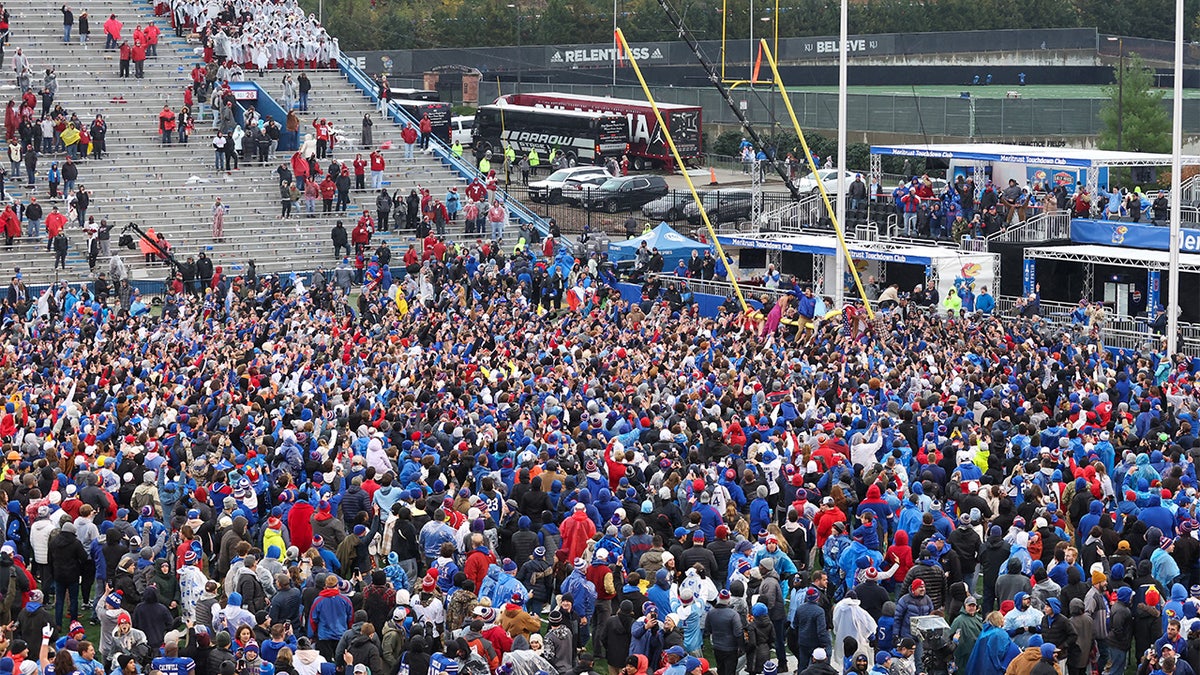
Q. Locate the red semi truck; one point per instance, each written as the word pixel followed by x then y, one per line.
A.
pixel 647 145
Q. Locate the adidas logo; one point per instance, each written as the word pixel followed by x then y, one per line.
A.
pixel 557 58
pixel 656 54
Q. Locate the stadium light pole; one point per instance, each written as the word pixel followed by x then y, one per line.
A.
pixel 751 22
pixel 840 262
pixel 616 47
pixel 773 16
pixel 517 24
pixel 1120 91
pixel 1176 187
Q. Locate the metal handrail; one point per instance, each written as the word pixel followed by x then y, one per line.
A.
pixel 357 77
pixel 1120 332
pixel 1044 226
pixel 973 244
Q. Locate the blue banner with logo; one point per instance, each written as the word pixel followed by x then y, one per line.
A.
pixel 1153 288
pixel 1029 276
pixel 1045 179
pixel 1132 235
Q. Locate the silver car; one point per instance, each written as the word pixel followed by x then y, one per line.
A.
pixel 550 188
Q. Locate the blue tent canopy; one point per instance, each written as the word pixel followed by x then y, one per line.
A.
pixel 672 245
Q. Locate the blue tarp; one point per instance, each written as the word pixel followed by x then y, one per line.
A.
pixel 673 246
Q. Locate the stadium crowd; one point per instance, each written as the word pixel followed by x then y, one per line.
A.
pixel 456 475
pixel 488 462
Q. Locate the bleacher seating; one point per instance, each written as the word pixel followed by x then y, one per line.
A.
pixel 172 189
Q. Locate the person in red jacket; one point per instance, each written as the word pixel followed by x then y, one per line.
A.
pixel 12 120
pixel 616 469
pixel 426 133
pixel 827 518
pixel 478 560
pixel 360 172
pixel 361 236
pixel 377 167
pixel 576 531
pixel 151 35
pixel 300 169
pixel 300 524
pixel 501 641
pixel 322 128
pixel 328 192
pixel 166 124
pixel 12 225
pixel 199 76
pixel 123 64
pixel 476 191
pixel 112 32
pixel 365 220
pixel 139 59
pixel 55 222
pixel 409 135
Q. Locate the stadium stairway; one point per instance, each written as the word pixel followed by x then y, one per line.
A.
pixel 172 188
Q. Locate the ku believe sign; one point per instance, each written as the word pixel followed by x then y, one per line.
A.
pixel 828 47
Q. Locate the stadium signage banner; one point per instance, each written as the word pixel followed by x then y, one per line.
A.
pixel 913 152
pixel 566 56
pixel 799 48
pixel 677 53
pixel 908 151
pixel 1110 233
pixel 820 249
pixel 1153 288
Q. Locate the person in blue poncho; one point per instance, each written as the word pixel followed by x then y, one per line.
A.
pixel 1164 569
pixel 993 650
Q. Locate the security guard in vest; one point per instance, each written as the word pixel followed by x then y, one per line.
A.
pixel 534 160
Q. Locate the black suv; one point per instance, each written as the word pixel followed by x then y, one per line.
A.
pixel 625 193
pixel 723 206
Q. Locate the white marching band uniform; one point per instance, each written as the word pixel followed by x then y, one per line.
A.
pixel 277 34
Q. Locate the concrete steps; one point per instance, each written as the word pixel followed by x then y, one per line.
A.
pixel 172 188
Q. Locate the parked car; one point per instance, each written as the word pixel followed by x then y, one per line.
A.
pixel 723 206
pixel 808 184
pixel 670 207
pixel 550 188
pixel 575 190
pixel 626 193
pixel 460 129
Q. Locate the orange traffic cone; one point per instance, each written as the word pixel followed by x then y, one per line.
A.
pixel 712 176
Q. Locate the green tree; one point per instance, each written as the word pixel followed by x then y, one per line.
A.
pixel 1134 117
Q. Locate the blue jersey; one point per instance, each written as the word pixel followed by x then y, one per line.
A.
pixel 173 665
